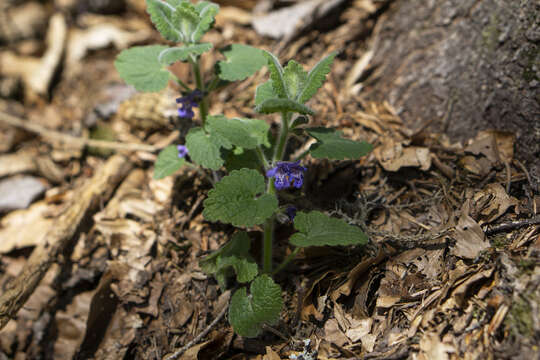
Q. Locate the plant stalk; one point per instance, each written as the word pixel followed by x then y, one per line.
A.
pixel 269 224
pixel 287 260
pixel 283 136
pixel 200 85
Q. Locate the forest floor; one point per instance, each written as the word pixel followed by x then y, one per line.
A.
pixel 451 270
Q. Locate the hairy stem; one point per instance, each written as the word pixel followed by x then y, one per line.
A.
pixel 269 224
pixel 283 136
pixel 261 157
pixel 200 86
pixel 182 84
pixel 287 260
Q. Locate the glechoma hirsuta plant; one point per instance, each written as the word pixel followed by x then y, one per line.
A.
pixel 259 166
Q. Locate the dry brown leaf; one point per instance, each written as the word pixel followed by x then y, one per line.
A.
pixel 28 227
pixel 271 354
pixel 496 145
pixel 431 348
pixel 358 329
pixel 193 352
pixel 393 155
pixel 480 167
pixel 358 271
pixel 493 201
pixel 470 239
pixel 333 333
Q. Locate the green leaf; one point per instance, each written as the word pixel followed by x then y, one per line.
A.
pixel 295 79
pixel 186 19
pixel 139 66
pixel 245 133
pixel 181 53
pixel 276 75
pixel 317 229
pixel 205 149
pixel 161 14
pixel 264 92
pixel 316 77
pixel 330 145
pixel 207 12
pixel 247 314
pixel 242 62
pixel 282 105
pixel 234 255
pixel 243 159
pixel 168 162
pixel 239 199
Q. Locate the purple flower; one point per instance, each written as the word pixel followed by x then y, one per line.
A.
pixel 182 151
pixel 188 102
pixel 291 212
pixel 287 174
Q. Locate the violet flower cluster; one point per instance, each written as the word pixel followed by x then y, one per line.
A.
pixel 287 174
pixel 182 151
pixel 188 102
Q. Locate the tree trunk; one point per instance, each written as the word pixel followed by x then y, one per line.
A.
pixel 465 64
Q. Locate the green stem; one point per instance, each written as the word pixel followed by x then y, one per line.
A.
pixel 261 157
pixel 283 136
pixel 211 86
pixel 269 224
pixel 182 84
pixel 202 172
pixel 287 260
pixel 267 245
pixel 200 85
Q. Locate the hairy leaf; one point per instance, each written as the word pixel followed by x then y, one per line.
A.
pixel 186 19
pixel 316 77
pixel 205 149
pixel 264 92
pixel 242 158
pixel 234 255
pixel 139 66
pixel 276 75
pixel 239 199
pixel 282 105
pixel 181 53
pixel 168 162
pixel 330 145
pixel 295 78
pixel 242 62
pixel 207 12
pixel 245 133
pixel 247 314
pixel 317 229
pixel 161 14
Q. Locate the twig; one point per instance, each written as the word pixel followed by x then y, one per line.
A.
pixel 198 338
pixel 511 225
pixel 508 176
pixel 520 164
pixel 79 141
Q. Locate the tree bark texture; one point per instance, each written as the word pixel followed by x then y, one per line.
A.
pixel 465 64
